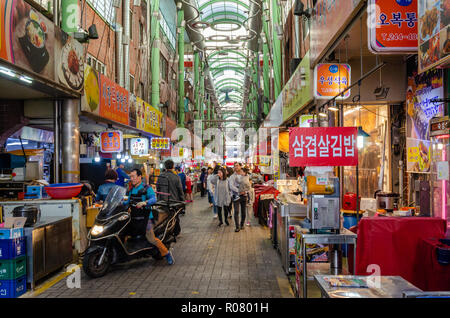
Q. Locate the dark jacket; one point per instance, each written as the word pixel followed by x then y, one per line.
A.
pixel 169 182
pixel 182 176
pixel 103 191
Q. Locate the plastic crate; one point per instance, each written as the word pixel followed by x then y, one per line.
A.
pixel 14 268
pixel 13 248
pixel 13 288
pixel 7 234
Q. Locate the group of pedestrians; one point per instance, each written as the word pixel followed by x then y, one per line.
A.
pixel 230 190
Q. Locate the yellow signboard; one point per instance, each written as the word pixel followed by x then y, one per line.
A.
pixel 148 118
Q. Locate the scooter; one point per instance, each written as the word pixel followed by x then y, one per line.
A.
pixel 118 234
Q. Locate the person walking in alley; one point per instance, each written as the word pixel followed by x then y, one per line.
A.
pixel 169 182
pixel 234 182
pixel 222 196
pixel 121 174
pixel 210 189
pixel 244 189
pixel 203 176
pixel 182 176
pixel 230 172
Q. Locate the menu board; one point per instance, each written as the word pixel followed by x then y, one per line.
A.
pixel 139 146
pixel 111 141
pixel 160 143
pixel 434 33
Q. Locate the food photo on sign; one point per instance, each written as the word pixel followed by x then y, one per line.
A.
pixel 33 39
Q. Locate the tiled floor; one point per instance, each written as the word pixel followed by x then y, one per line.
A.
pixel 210 261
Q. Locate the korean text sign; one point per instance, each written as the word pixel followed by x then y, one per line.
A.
pixel 113 101
pixel 160 143
pixel 323 146
pixel 111 141
pixel 393 26
pixel 139 146
pixel 331 79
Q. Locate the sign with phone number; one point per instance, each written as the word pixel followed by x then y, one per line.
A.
pixel 331 79
pixel 393 26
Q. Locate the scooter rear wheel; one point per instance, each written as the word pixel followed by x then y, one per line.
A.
pixel 91 267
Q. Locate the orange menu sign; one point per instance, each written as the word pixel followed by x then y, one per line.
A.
pixel 113 101
pixel 393 26
pixel 111 141
pixel 331 79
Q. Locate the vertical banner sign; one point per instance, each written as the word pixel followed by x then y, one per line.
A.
pixel 392 26
pixel 69 15
pixel 331 79
pixel 113 101
pixel 434 33
pixel 111 141
pixel 323 146
pixel 139 146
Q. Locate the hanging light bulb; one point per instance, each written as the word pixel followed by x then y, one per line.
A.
pixel 122 160
pixel 130 160
pixel 97 157
pixel 127 156
pixel 119 155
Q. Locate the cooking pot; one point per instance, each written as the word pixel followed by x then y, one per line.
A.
pixel 31 212
pixel 387 201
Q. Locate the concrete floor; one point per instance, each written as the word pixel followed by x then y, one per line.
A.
pixel 210 262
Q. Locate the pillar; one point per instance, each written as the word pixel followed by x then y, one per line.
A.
pixel 155 54
pixel 196 83
pixel 180 23
pixel 70 141
pixel 276 49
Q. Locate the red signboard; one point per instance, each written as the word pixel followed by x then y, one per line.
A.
pixel 393 26
pixel 113 101
pixel 323 146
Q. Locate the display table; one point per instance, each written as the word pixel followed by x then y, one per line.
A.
pixel 393 244
pixel 389 287
pixel 429 274
pixel 345 237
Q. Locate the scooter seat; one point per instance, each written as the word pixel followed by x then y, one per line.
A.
pixel 137 243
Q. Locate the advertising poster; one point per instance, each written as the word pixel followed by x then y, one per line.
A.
pixel 111 141
pixel 306 121
pixel 422 89
pixel 418 155
pixel 331 79
pixel 32 40
pixel 69 61
pixel 434 33
pixel 90 101
pixel 113 101
pixel 323 146
pixel 5 19
pixel 393 26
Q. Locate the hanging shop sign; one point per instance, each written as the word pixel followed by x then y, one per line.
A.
pixel 422 90
pixel 328 20
pixel 323 146
pixel 439 126
pixel 392 26
pixel 139 146
pixel 148 118
pixel 31 41
pixel 297 92
pixel 113 101
pixel 418 155
pixel 331 79
pixel 434 33
pixel 264 161
pixel 306 121
pixel 160 143
pixel 111 141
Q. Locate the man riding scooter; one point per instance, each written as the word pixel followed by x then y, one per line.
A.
pixel 142 197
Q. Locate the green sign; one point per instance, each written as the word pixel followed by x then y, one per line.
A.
pixel 69 15
pixel 297 92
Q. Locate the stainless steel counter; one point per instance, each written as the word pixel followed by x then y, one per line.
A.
pixel 388 287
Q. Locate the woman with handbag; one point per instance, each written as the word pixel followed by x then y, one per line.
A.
pixel 222 196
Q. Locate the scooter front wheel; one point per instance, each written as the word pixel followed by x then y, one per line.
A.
pixel 91 265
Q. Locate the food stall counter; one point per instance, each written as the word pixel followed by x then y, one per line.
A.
pixel 347 286
pixel 56 208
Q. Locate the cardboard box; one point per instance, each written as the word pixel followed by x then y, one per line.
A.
pixel 12 228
